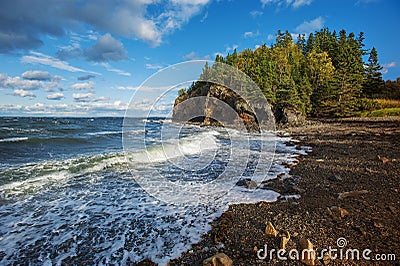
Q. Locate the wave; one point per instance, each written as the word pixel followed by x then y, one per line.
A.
pixel 16 139
pixel 195 144
pixel 34 177
pixel 104 133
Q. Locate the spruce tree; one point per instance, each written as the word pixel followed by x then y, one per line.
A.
pixel 374 83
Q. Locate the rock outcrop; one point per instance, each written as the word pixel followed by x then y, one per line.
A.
pixel 288 116
pixel 215 105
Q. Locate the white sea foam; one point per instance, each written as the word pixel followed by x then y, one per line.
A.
pixel 63 207
pixel 16 139
pixel 103 133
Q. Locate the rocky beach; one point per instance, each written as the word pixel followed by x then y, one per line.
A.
pixel 343 196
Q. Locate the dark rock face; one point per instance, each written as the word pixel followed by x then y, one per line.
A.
pixel 221 106
pixel 288 116
pixel 247 183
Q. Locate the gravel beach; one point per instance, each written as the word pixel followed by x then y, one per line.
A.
pixel 344 195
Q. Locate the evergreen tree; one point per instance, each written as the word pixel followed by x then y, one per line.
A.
pixel 374 83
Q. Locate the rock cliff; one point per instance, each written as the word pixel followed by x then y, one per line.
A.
pixel 215 105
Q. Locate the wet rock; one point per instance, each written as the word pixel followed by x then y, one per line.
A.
pixel 270 230
pixel 326 258
pixel 335 178
pixel 288 116
pixel 285 237
pixel 219 259
pixel 146 262
pixel 337 212
pixel 247 183
pixel 347 194
pixel 307 253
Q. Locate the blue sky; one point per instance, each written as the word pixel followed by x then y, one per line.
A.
pixel 88 58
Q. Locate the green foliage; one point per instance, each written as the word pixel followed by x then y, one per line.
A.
pixel 374 84
pixel 384 112
pixel 181 92
pixel 322 76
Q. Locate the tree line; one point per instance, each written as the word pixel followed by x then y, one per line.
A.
pixel 323 75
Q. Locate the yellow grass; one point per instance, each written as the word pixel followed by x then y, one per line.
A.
pixel 385 103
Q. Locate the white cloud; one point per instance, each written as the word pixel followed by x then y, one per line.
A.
pixel 36 75
pixel 55 96
pixel 193 56
pixel 83 86
pixel 62 109
pixel 115 70
pixel 83 97
pixel 299 3
pixel 287 3
pixel 256 13
pixel 17 82
pixel 251 34
pixel 390 65
pixel 386 67
pixel 32 80
pixel 310 26
pixel 126 88
pixel 23 93
pixel 39 58
pixel 153 66
pixel 203 19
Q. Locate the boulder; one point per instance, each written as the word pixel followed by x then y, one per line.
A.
pixel 219 259
pixel 270 230
pixel 288 116
pixel 247 183
pixel 337 212
pixel 307 252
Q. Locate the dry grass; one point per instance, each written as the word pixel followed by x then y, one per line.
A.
pixel 385 103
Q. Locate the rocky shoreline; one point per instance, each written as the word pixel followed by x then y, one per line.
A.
pixel 350 192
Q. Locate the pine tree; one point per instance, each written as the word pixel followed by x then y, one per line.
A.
pixel 374 83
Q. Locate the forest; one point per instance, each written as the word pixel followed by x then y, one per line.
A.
pixel 323 75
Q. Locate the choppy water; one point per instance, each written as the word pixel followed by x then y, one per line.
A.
pixel 69 193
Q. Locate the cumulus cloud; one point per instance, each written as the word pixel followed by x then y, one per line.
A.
pixel 310 26
pixel 69 52
pixel 24 22
pixel 36 75
pixel 23 93
pixel 20 83
pixel 83 86
pixel 55 96
pixel 107 48
pixel 39 58
pixel 30 80
pixel 83 97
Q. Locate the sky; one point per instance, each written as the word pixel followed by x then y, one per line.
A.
pixel 91 58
